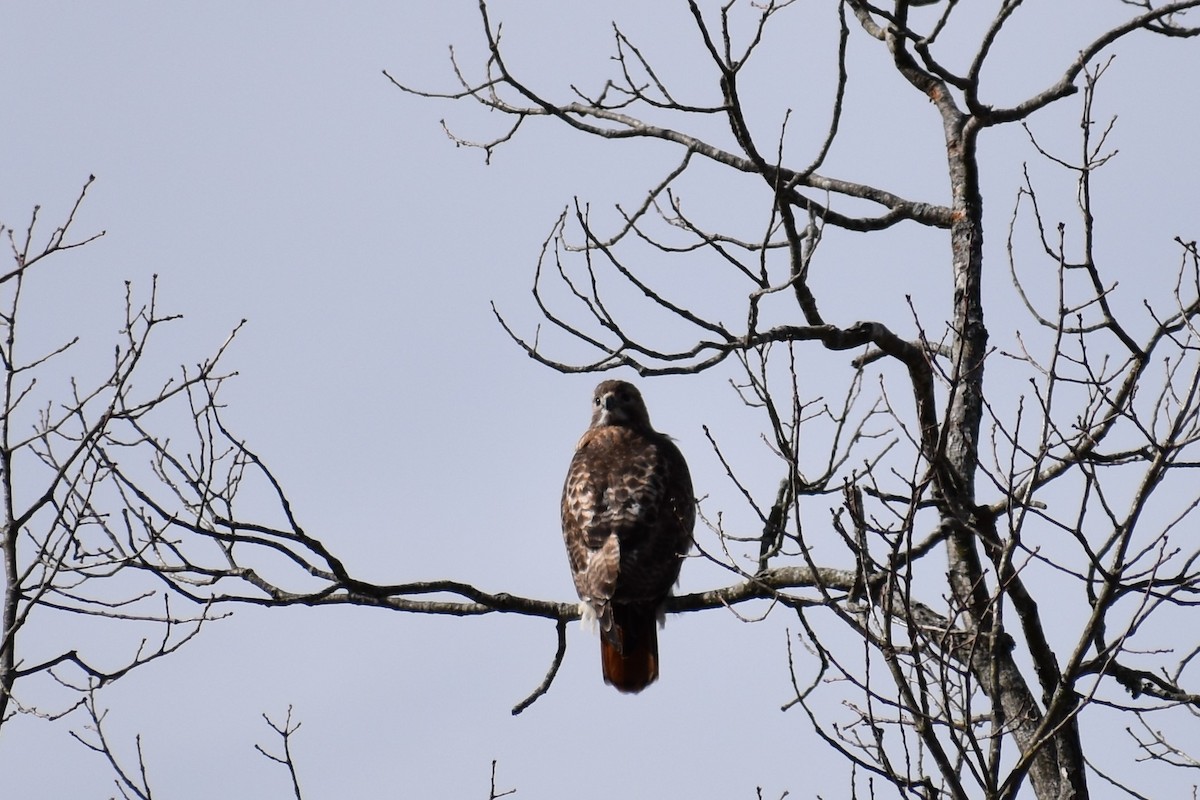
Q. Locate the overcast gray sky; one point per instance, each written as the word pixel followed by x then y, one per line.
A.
pixel 255 158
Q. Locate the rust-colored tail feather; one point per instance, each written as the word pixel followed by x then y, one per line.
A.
pixel 629 652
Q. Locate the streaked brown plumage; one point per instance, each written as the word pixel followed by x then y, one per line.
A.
pixel 627 517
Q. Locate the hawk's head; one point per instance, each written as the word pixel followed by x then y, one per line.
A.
pixel 619 403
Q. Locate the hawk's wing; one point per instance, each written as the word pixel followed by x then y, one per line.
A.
pixel 592 546
pixel 627 515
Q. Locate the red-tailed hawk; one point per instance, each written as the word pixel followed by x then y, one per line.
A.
pixel 627 516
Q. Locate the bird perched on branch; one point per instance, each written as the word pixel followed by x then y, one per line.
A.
pixel 627 517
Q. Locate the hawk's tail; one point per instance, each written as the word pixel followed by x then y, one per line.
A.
pixel 629 650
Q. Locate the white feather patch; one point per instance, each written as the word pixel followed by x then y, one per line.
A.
pixel 587 617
